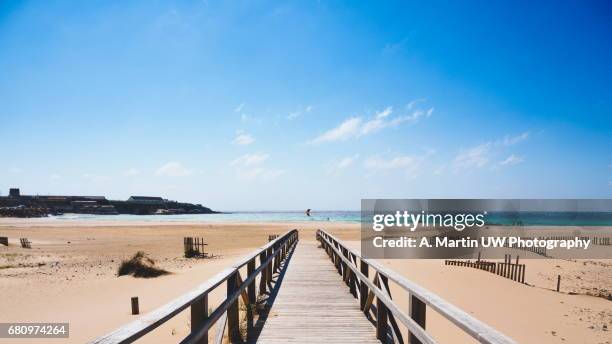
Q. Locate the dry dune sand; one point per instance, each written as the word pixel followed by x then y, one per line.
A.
pixel 69 276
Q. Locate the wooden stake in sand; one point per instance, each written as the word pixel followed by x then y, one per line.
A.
pixel 135 309
pixel 558 282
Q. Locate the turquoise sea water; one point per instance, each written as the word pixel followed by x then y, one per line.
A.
pixel 243 216
pixel 493 218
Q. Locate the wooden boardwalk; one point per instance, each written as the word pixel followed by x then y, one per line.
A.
pixel 313 305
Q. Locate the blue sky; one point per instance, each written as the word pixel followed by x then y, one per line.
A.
pixel 316 104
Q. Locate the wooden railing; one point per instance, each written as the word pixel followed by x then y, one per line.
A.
pixel 385 314
pixel 270 257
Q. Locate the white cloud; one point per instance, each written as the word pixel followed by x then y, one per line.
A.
pixel 250 159
pixel 355 127
pixel 239 107
pixel 131 172
pixel 412 104
pixel 409 165
pixel 173 169
pixel 55 176
pixel 298 113
pixel 337 168
pixel 477 156
pixel 249 167
pixel 243 139
pixel 349 128
pixel 512 160
pixel 512 140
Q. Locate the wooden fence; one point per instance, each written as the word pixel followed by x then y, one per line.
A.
pixel 604 241
pixel 537 250
pixel 507 269
pixel 194 247
pixel 25 243
pixel 477 264
pixel 376 301
pixel 227 312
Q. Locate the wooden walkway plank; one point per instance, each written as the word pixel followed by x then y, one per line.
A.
pixel 313 305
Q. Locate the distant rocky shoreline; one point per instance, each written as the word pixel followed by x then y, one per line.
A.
pixel 17 205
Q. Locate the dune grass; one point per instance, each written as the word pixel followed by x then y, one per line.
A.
pixel 140 265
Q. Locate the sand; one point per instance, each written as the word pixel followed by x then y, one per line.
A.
pixel 69 275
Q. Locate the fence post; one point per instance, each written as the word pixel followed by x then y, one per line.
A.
pixel 381 320
pixel 363 288
pixel 199 314
pixel 135 308
pixel 417 313
pixel 264 274
pixel 558 282
pixel 233 320
pixel 251 288
pixel 269 268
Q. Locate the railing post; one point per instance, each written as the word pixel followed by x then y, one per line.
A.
pixel 251 296
pixel 363 288
pixel 251 288
pixel 199 314
pixel 269 268
pixel 264 274
pixel 233 320
pixel 381 321
pixel 417 313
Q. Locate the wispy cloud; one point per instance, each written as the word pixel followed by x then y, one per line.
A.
pixel 409 164
pixel 512 140
pixel 131 172
pixel 413 103
pixel 355 127
pixel 512 160
pixel 250 166
pixel 298 113
pixel 243 139
pixel 239 107
pixel 346 130
pixel 250 159
pixel 479 156
pixel 340 166
pixel 173 169
pixel 55 176
pixel 15 170
pixel 474 157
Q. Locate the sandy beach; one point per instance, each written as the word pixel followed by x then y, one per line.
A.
pixel 69 275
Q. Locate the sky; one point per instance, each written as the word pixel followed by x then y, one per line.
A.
pixel 265 105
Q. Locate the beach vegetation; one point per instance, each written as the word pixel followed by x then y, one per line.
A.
pixel 140 265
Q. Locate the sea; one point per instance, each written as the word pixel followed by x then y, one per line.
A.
pixel 493 218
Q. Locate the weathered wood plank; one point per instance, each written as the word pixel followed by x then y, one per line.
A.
pixel 314 306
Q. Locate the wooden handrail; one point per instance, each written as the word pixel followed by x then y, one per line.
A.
pixel 270 256
pixel 360 285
